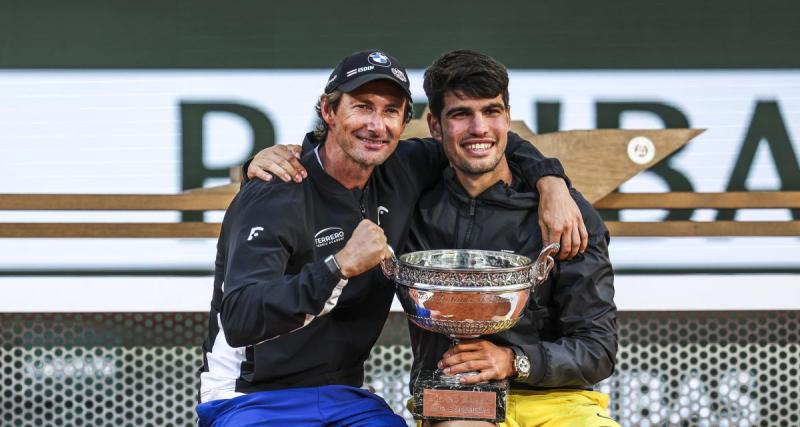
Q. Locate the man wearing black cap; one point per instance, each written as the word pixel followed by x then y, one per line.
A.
pixel 297 302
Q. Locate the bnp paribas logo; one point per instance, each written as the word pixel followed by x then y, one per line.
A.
pixel 329 235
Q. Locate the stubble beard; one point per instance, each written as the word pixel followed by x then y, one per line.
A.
pixel 364 162
pixel 477 169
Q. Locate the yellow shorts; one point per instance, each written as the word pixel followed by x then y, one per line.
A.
pixel 556 408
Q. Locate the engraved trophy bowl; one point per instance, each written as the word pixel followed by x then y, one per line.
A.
pixel 464 293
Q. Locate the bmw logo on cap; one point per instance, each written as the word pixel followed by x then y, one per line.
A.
pixel 378 58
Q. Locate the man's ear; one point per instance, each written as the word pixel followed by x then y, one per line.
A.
pixel 434 126
pixel 326 111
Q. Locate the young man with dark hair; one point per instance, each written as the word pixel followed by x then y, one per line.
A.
pixel 297 301
pixel 566 341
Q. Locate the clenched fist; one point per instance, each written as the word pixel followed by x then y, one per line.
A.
pixel 365 249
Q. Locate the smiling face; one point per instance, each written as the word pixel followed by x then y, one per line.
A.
pixel 473 132
pixel 366 126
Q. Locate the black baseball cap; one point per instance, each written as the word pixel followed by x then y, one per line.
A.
pixel 365 66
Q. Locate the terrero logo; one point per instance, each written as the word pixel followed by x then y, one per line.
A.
pixel 329 235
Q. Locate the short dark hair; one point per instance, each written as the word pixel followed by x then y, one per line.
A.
pixel 465 71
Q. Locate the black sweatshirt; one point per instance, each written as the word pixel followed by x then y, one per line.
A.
pixel 568 329
pixel 279 318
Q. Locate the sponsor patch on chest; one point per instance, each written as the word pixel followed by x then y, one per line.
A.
pixel 327 236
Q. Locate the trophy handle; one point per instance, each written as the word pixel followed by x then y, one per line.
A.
pixel 544 263
pixel 389 265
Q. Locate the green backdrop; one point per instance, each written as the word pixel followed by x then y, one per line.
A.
pixel 308 34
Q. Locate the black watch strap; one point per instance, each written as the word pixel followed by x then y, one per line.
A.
pixel 333 266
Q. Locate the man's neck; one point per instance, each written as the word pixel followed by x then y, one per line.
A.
pixel 341 167
pixel 477 184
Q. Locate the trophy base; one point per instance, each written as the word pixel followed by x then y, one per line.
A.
pixel 440 397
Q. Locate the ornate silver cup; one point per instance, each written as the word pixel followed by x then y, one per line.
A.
pixel 465 293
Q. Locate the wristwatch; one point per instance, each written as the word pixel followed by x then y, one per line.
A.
pixel 521 364
pixel 333 266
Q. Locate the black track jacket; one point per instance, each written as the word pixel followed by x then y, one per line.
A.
pixel 568 330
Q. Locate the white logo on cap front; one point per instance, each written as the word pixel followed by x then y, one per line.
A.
pixel 399 74
pixel 379 58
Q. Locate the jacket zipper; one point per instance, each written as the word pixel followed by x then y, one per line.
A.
pixel 361 202
pixel 471 221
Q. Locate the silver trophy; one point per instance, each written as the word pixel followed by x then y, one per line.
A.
pixel 465 293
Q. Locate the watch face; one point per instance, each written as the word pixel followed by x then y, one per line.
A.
pixel 523 365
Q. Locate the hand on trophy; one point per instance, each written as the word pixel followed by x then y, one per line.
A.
pixel 279 160
pixel 365 249
pixel 492 362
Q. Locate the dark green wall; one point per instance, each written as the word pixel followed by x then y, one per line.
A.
pixel 522 34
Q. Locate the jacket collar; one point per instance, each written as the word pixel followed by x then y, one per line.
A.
pixel 516 196
pixel 319 177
